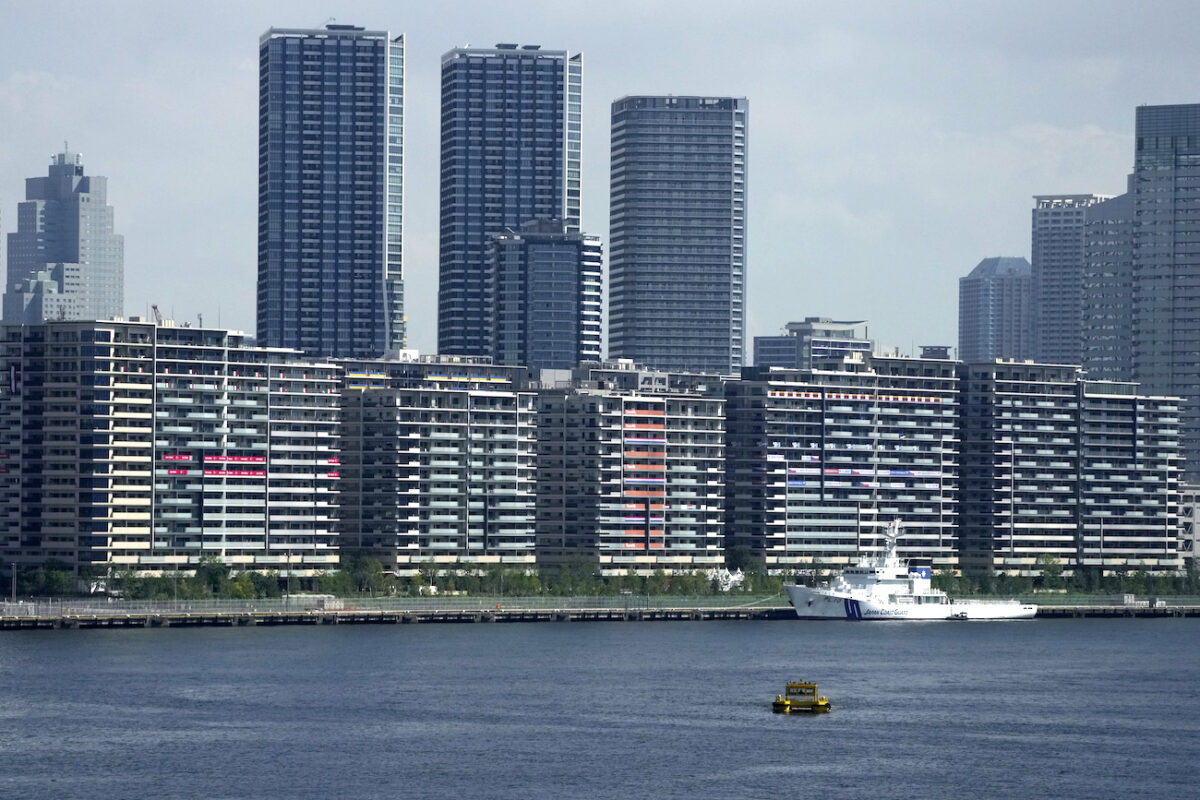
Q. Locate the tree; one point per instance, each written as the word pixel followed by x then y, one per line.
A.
pixel 745 559
pixel 1051 569
pixel 266 584
pixel 241 587
pixel 367 575
pixel 213 575
pixel 335 582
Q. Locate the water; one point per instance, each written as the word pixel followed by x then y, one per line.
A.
pixel 1072 708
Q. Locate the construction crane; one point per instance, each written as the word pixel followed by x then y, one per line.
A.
pixel 157 315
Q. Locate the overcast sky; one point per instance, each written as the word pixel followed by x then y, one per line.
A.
pixel 892 145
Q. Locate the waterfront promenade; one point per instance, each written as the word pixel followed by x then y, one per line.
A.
pixel 325 610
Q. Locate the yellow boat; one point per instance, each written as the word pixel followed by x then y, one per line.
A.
pixel 800 698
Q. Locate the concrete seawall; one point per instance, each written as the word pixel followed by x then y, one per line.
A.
pixel 187 619
pixel 51 616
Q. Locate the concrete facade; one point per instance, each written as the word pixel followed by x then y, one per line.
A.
pixel 814 339
pixel 1108 277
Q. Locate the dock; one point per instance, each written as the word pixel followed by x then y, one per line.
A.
pixel 50 616
pixel 54 615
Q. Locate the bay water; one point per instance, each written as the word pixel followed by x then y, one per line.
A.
pixel 1088 708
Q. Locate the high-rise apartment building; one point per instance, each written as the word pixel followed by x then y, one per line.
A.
pixel 813 340
pixel 1056 465
pixel 438 464
pixel 64 261
pixel 677 232
pixel 546 291
pixel 1058 256
pixel 1107 301
pixel 995 310
pixel 511 133
pixel 819 461
pixel 630 481
pixel 1166 261
pixel 330 191
pixel 135 446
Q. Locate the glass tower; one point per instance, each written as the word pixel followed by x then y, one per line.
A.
pixel 330 191
pixel 1166 261
pixel 64 261
pixel 677 228
pixel 510 154
pixel 995 311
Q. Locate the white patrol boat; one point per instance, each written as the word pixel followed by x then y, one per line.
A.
pixel 883 587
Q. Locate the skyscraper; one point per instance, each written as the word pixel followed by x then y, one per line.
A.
pixel 1058 235
pixel 510 154
pixel 546 290
pixel 677 232
pixel 1107 326
pixel 1166 261
pixel 330 191
pixel 995 315
pixel 64 261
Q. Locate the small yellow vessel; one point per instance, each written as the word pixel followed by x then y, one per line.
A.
pixel 798 698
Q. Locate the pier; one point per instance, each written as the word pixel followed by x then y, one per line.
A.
pixel 299 611
pixel 68 614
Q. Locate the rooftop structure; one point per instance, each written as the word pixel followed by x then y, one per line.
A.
pixel 815 339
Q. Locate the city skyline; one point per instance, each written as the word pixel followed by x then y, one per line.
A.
pixel 843 217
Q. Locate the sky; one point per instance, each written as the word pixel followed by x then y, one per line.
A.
pixel 892 145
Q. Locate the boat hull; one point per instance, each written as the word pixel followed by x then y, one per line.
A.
pixel 816 603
